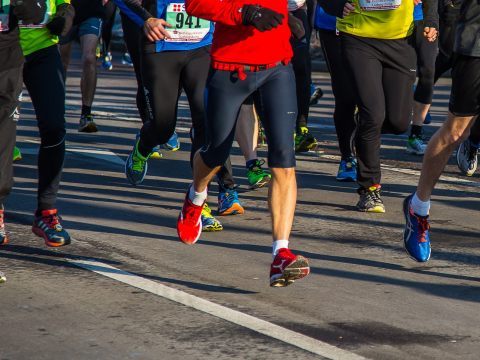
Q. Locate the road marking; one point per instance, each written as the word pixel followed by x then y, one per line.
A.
pixel 250 322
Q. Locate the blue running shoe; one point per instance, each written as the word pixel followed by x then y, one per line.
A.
pixel 428 119
pixel 173 144
pixel 416 237
pixel 228 203
pixel 136 166
pixel 347 170
pixel 107 61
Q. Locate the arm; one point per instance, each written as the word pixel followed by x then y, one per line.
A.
pixel 134 10
pixel 430 13
pixel 224 12
pixel 333 7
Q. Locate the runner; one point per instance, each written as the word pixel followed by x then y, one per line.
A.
pixel 464 108
pixel 29 12
pixel 43 76
pixel 426 55
pixel 344 113
pixel 243 65
pixel 301 62
pixel 172 61
pixel 87 27
pixel 377 48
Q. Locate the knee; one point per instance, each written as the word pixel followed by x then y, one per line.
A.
pixel 89 60
pixel 214 156
pixel 52 136
pixel 282 158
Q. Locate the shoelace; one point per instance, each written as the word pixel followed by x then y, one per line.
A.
pixel 257 167
pixel 230 196
pixel 138 163
pixel 423 227
pixel 52 221
pixel 191 215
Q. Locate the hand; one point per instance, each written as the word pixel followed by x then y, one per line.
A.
pixel 296 26
pixel 430 33
pixel 29 11
pixel 261 18
pixel 155 30
pixel 416 2
pixel 348 8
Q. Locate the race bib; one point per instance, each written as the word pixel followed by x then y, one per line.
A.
pixel 4 15
pixel 376 5
pixel 185 28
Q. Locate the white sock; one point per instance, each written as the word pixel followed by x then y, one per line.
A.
pixel 277 245
pixel 197 198
pixel 420 207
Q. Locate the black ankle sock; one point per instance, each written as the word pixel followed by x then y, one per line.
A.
pixel 86 110
pixel 416 131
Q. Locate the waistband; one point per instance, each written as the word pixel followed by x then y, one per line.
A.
pixel 242 69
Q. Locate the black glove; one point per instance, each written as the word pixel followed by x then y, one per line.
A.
pixel 261 18
pixel 29 11
pixel 62 21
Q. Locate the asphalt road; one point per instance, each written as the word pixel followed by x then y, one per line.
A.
pixel 365 297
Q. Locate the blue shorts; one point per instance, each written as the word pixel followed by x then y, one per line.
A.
pixel 91 26
pixel 275 99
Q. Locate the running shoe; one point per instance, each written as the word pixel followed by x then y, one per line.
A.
pixel 467 158
pixel 262 139
pixel 126 59
pixel 107 61
pixel 3 233
pixel 370 200
pixel 173 144
pixel 347 170
pixel 228 203
pixel 156 154
pixel 3 278
pixel 257 177
pixel 136 166
pixel 287 267
pixel 416 145
pixel 315 94
pixel 209 223
pixel 98 51
pixel 47 226
pixel 87 124
pixel 416 237
pixel 189 223
pixel 17 155
pixel 428 119
pixel 304 141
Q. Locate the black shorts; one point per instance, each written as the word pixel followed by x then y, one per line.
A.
pixel 465 94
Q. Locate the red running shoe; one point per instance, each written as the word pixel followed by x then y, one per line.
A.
pixel 287 267
pixel 189 223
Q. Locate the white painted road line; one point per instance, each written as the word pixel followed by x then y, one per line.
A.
pixel 222 312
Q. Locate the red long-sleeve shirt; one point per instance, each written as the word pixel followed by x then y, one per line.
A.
pixel 239 44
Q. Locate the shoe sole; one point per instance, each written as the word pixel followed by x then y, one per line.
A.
pixel 212 228
pixel 156 155
pixel 375 210
pixel 41 234
pixel 89 128
pixel 236 209
pixel 18 158
pixel 405 211
pixel 295 271
pixel 414 152
pixel 260 183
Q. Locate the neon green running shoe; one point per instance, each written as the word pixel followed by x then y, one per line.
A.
pixel 17 155
pixel 304 141
pixel 136 166
pixel 257 177
pixel 209 223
